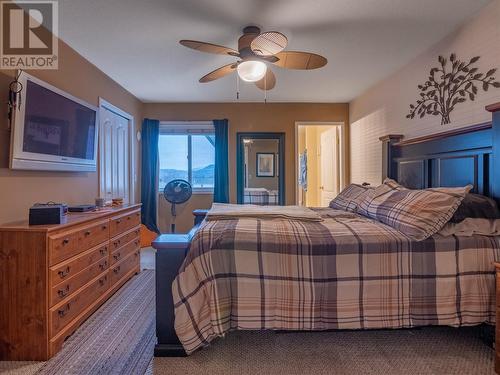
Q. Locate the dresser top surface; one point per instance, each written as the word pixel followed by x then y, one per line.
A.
pixel 72 218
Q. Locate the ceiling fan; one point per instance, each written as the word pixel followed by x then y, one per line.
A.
pixel 255 52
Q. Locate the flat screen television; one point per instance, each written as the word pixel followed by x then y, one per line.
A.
pixel 52 130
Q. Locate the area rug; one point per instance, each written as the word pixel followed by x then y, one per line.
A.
pixel 118 339
pixel 432 350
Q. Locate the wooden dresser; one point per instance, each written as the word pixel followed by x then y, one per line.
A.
pixel 54 277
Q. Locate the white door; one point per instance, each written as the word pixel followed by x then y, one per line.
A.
pixel 114 154
pixel 329 166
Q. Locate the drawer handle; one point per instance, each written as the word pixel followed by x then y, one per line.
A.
pixel 102 281
pixel 104 227
pixel 116 243
pixel 62 274
pixel 117 256
pixel 103 265
pixel 103 250
pixel 87 233
pixel 116 269
pixel 136 231
pixel 136 254
pixel 65 241
pixel 63 292
pixel 118 221
pixel 136 242
pixel 137 214
pixel 64 311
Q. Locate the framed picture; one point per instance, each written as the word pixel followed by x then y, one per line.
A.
pixel 265 164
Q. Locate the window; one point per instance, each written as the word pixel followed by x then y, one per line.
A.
pixel 187 151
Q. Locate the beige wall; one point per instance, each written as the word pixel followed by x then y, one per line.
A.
pixel 184 221
pixel 313 160
pixel 20 189
pixel 254 117
pixel 382 109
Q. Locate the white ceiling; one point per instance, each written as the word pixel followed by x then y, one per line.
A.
pixel 136 42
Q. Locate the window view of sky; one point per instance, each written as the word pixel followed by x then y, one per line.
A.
pixel 174 162
pixel 173 150
pixel 203 152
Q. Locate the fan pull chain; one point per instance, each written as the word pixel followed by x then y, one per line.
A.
pixel 265 89
pixel 237 87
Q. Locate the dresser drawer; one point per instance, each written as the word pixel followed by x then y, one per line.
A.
pixel 120 269
pixel 64 312
pixel 65 289
pixel 122 240
pixel 122 223
pixel 62 246
pixel 93 235
pixel 64 271
pixel 124 251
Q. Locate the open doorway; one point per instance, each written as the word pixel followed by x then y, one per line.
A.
pixel 320 162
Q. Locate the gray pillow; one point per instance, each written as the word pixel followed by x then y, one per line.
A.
pixel 476 206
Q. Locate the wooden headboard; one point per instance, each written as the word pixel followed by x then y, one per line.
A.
pixel 469 155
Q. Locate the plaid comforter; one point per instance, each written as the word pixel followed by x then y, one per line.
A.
pixel 346 272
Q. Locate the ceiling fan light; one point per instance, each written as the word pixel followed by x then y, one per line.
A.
pixel 252 71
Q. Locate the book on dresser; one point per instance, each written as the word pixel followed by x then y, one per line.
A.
pixel 53 277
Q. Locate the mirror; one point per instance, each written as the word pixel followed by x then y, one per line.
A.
pixel 260 168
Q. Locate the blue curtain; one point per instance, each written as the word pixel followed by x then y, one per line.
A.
pixel 221 183
pixel 149 173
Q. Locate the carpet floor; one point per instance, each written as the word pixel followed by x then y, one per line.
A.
pixel 432 350
pixel 119 339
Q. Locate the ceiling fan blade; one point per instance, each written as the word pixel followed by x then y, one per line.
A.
pixel 269 43
pixel 219 73
pixel 208 47
pixel 268 82
pixel 300 60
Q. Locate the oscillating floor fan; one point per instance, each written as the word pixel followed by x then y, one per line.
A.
pixel 176 192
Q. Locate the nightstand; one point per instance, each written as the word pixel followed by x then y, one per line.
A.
pixel 171 249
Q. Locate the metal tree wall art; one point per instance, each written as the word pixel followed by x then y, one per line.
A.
pixel 446 88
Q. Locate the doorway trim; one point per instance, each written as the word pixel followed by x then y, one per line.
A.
pixel 104 104
pixel 343 151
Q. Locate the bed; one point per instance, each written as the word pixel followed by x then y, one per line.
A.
pixel 260 196
pixel 346 272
